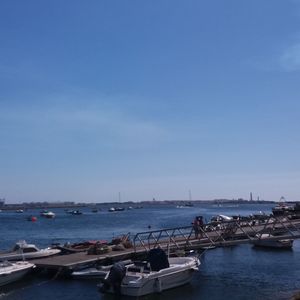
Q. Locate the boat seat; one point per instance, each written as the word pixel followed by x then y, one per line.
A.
pixel 139 267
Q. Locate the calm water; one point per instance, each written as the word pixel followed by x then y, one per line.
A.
pixel 239 272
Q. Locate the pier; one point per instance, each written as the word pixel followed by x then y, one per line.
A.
pixel 228 233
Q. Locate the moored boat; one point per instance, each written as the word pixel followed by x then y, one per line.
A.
pixel 47 214
pixel 95 272
pixel 22 250
pixel 11 272
pixel 157 274
pixel 113 209
pixel 90 273
pixel 76 212
pixel 286 208
pixel 270 241
pixel 282 209
pixel 119 208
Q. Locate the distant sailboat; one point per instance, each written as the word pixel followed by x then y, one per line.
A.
pixel 189 204
pixel 120 208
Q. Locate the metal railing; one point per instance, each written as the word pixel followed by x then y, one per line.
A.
pixel 218 233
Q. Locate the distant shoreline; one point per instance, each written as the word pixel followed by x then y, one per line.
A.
pixel 48 205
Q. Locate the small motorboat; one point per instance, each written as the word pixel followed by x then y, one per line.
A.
pixel 91 273
pixel 155 275
pixel 221 218
pixel 76 212
pixel 10 272
pixel 119 208
pixel 22 251
pixel 47 214
pixel 97 272
pixel 270 241
pixel 283 208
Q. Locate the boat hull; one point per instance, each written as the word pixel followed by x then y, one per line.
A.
pixel 158 284
pixel 281 244
pixel 13 273
pixel 90 273
pixel 33 255
pixel 140 280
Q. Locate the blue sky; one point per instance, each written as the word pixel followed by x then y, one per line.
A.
pixel 149 99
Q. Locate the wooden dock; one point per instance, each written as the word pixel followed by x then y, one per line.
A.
pixel 80 259
pixel 179 238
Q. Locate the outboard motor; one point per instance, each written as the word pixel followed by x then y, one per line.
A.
pixel 158 259
pixel 114 279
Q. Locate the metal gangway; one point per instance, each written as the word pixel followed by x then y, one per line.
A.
pixel 219 234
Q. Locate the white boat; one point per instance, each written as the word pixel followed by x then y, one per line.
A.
pixel 221 218
pixel 76 212
pixel 22 251
pixel 10 272
pixel 95 272
pixel 154 276
pixel 90 273
pixel 48 214
pixel 182 206
pixel 269 241
pixel 119 208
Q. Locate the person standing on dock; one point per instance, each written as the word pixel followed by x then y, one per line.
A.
pixel 201 226
pixel 196 226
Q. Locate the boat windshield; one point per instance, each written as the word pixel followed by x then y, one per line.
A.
pixel 16 247
pixel 26 249
pixel 29 250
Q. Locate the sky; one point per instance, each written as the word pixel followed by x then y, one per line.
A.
pixel 149 99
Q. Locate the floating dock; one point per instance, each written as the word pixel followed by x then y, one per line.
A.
pixel 69 262
pixel 228 233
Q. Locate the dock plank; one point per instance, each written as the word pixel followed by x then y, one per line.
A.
pixel 73 260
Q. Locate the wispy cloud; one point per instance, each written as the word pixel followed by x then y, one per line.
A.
pixel 290 58
pixel 112 124
pixel 286 59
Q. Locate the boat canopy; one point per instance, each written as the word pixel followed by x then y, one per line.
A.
pixel 158 259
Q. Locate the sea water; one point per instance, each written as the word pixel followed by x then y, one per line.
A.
pixel 238 272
